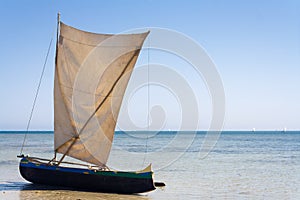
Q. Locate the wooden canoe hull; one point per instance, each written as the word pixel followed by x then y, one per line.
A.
pixel 86 179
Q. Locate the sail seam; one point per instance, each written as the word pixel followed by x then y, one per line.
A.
pixel 100 46
pixel 85 92
pixel 66 60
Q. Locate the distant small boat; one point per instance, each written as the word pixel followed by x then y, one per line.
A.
pixel 75 133
pixel 284 130
pixel 253 130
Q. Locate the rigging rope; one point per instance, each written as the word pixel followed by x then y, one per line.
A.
pixel 36 95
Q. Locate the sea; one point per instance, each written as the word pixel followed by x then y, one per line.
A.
pixel 193 165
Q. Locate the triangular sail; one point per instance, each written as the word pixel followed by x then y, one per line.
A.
pixel 91 75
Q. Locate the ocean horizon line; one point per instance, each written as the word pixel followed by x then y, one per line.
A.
pixel 169 131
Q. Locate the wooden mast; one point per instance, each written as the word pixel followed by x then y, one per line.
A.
pixel 57 40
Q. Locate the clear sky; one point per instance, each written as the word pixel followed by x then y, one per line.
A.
pixel 255 46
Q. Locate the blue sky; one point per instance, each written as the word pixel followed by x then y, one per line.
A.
pixel 255 46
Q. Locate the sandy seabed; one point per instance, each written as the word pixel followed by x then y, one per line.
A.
pixel 63 195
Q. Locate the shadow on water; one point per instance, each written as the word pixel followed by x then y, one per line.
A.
pixel 22 186
pixel 30 190
pixel 11 186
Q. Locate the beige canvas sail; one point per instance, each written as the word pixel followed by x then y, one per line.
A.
pixel 91 75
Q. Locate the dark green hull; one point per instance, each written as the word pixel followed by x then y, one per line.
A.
pixel 86 179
